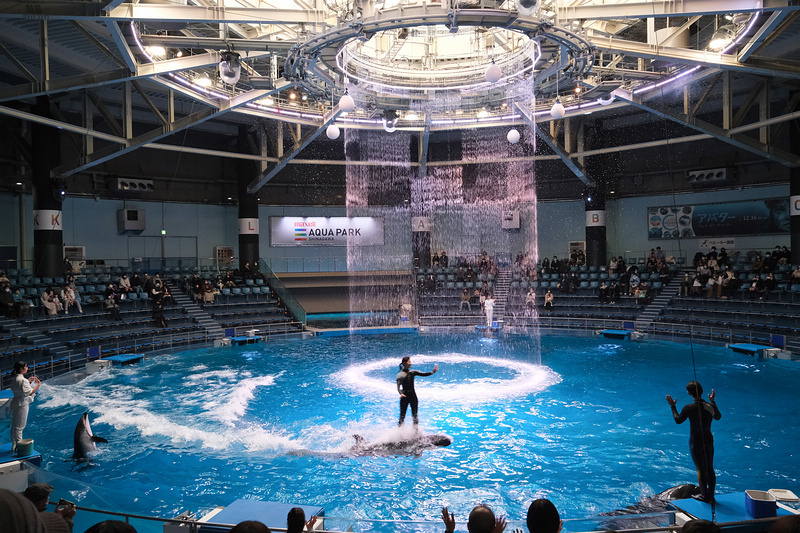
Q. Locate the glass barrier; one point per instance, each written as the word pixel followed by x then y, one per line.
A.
pixel 285 296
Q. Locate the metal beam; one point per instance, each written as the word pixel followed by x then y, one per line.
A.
pixel 764 32
pixel 66 126
pixel 664 8
pixel 83 81
pixel 156 111
pixel 215 14
pixel 694 57
pixel 122 45
pixel 100 46
pixel 262 180
pixel 728 136
pixel 240 45
pixel 552 142
pixel 25 72
pixel 101 156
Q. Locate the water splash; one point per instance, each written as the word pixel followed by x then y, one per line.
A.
pixel 471 379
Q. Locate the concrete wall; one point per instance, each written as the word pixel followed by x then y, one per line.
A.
pixel 194 230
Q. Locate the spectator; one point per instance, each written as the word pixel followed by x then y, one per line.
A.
pixel 756 288
pixel 296 521
pixel 50 302
pixel 465 301
pixel 7 301
pixel 70 298
pixel 700 526
pixel 543 517
pixel 548 301
pixel 786 524
pixel 443 259
pixel 481 520
pixel 795 277
pixel 20 515
pixel 114 526
pixel 39 494
pixel 248 526
pixel 660 254
pixel 22 306
pixel 112 306
pixel 530 300
pixel 125 284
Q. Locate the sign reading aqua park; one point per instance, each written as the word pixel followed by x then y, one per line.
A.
pixel 326 231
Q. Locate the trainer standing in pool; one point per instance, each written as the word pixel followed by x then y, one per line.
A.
pixel 405 387
pixel 701 442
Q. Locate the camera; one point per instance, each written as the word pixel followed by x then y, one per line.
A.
pixel 65 503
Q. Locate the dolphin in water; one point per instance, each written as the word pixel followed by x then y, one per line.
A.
pixel 658 503
pixel 412 445
pixel 84 440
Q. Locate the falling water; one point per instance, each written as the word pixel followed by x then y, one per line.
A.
pixel 466 205
pixel 381 191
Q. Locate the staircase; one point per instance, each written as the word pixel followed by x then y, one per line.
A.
pixel 198 313
pixel 500 292
pixel 34 337
pixel 649 313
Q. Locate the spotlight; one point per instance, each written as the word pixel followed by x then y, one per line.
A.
pixel 483 113
pixel 527 7
pixel 578 89
pixel 557 111
pixel 722 37
pixel 390 120
pixel 513 136
pixel 493 73
pixel 304 97
pixel 230 68
pixel 411 116
pixel 157 51
pixel 203 81
pixel 292 96
pixel 346 103
pixel 332 132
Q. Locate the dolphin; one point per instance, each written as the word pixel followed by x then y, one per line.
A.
pixel 413 445
pixel 657 503
pixel 83 440
pixel 408 446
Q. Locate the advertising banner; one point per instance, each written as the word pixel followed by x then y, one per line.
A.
pixel 326 231
pixel 750 217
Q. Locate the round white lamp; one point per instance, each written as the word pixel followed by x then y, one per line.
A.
pixel 513 136
pixel 332 132
pixel 557 111
pixel 493 73
pixel 346 103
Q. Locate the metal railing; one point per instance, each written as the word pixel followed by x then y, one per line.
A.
pixel 52 366
pixel 285 296
pixel 266 330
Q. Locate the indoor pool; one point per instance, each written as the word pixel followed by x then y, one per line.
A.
pixel 588 428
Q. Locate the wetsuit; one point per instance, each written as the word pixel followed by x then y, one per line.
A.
pixel 405 385
pixel 701 441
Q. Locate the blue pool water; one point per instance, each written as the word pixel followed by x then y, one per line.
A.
pixel 589 428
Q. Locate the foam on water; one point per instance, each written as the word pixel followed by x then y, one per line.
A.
pixel 368 380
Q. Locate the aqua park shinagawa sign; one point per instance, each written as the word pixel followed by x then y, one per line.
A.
pixel 326 231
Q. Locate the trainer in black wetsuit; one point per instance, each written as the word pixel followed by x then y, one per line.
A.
pixel 701 441
pixel 405 387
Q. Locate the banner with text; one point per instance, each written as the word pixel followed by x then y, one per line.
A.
pixel 749 217
pixel 326 231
